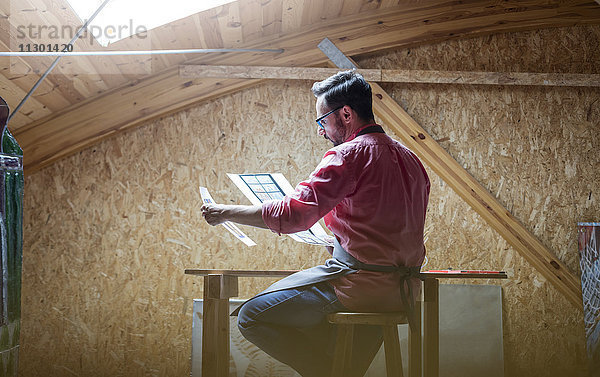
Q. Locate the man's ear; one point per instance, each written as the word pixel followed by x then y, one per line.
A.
pixel 347 113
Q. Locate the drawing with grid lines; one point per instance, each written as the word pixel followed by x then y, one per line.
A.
pixel 265 186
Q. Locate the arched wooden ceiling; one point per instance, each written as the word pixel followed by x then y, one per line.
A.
pixel 87 99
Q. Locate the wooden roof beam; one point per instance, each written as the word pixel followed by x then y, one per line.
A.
pixel 392 75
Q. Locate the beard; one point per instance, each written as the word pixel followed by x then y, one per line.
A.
pixel 338 136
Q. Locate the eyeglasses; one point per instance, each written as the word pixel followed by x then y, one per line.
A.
pixel 319 119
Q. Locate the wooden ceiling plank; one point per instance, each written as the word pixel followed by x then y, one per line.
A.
pixel 250 15
pixel 15 32
pixel 105 70
pixel 159 62
pixel 84 77
pixel 105 66
pixel 183 38
pixel 312 12
pixel 181 34
pixel 351 7
pixel 45 93
pixel 210 28
pixel 163 38
pixel 395 35
pixel 230 25
pixel 132 67
pixel 368 5
pixel 352 34
pixel 271 18
pixel 332 9
pixel 394 75
pixel 291 18
pixel 200 40
pixel 184 32
pixel 25 15
pixel 19 71
pixel 388 3
pixel 382 30
pixel 105 73
pixel 13 95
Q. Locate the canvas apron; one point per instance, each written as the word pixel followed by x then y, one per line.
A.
pixel 342 264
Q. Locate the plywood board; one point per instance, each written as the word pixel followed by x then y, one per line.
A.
pixel 110 230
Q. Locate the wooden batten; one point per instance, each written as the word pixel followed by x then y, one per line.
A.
pixel 490 78
pixel 392 75
pixel 262 72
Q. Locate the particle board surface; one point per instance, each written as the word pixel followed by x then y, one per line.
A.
pixel 110 230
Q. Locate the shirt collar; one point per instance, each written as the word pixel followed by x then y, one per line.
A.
pixel 357 131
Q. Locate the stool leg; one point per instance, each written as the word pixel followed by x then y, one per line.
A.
pixel 414 344
pixel 393 357
pixel 343 350
pixel 431 329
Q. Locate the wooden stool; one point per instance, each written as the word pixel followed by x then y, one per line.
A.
pixel 389 322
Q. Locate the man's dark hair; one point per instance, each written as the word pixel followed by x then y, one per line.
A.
pixel 346 88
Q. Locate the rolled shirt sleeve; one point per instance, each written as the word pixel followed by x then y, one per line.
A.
pixel 332 180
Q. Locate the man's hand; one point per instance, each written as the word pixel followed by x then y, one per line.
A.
pixel 214 214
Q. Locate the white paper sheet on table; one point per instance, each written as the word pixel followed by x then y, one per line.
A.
pixel 265 186
pixel 231 227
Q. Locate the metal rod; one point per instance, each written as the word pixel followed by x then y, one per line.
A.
pixel 81 29
pixel 141 52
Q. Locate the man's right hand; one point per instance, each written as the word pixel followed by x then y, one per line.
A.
pixel 214 214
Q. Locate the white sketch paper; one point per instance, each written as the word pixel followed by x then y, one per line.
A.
pixel 262 187
pixel 231 227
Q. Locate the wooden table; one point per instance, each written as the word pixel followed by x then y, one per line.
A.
pixel 221 285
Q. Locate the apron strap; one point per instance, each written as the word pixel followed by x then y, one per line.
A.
pixel 405 272
pixel 371 129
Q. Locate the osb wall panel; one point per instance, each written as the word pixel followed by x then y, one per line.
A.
pixel 109 231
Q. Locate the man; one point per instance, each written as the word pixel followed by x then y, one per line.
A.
pixel 373 193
